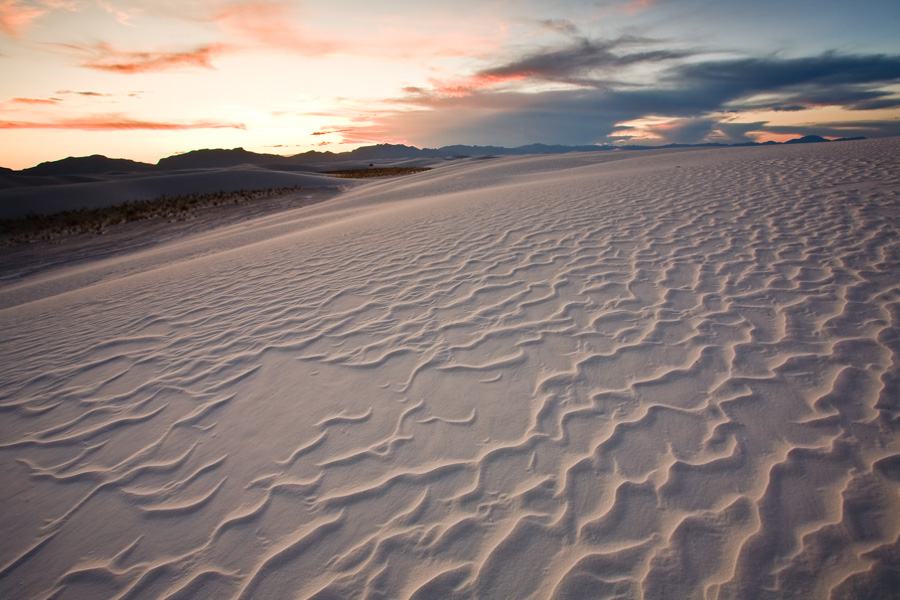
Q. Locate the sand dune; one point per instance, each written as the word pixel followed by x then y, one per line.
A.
pixel 611 375
pixel 111 190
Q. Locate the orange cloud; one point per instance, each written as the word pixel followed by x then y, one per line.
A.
pixel 368 135
pixel 468 86
pixel 333 131
pixel 115 122
pixel 36 100
pixel 15 17
pixel 107 58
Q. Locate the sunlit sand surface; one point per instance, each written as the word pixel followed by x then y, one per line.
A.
pixel 656 375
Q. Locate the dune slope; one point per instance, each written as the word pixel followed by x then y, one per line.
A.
pixel 611 375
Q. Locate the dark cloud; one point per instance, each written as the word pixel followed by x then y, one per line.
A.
pixel 765 74
pixel 703 98
pixel 826 80
pixel 563 26
pixel 876 104
pixel 852 97
pixel 582 60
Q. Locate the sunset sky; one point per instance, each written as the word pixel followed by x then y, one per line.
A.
pixel 144 79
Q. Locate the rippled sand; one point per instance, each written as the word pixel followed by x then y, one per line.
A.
pixel 615 375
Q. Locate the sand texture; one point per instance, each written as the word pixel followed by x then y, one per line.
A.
pixel 661 375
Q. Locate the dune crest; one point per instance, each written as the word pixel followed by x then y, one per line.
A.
pixel 662 375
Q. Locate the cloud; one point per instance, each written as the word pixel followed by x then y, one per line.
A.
pixel 106 58
pixel 684 131
pixel 580 61
pixel 510 118
pixel 332 131
pixel 830 79
pixel 876 104
pixel 115 122
pixel 268 23
pixel 852 97
pixel 36 100
pixel 737 133
pixel 563 26
pixel 635 6
pixel 16 16
pixel 124 17
pixel 828 69
pixel 88 93
pixel 701 99
pixel 466 87
pixel 70 5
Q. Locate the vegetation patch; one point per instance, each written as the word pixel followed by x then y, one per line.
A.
pixel 375 172
pixel 95 220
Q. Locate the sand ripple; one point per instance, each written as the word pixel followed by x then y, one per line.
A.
pixel 672 375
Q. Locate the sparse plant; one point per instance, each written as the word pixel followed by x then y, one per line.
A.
pixel 375 172
pixel 95 220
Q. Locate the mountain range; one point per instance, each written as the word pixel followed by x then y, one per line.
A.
pixel 223 158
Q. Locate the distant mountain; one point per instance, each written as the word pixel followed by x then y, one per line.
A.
pixel 223 158
pixel 218 159
pixel 399 151
pixel 85 165
pixel 808 139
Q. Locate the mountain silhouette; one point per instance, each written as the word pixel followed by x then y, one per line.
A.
pixel 87 164
pixel 807 139
pixel 220 158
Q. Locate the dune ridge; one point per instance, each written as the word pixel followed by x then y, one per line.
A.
pixel 665 375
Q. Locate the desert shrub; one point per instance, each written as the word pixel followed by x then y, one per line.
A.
pixel 375 172
pixel 95 220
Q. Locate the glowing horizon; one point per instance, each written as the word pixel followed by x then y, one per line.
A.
pixel 144 80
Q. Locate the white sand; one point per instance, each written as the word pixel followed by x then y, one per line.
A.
pixel 629 375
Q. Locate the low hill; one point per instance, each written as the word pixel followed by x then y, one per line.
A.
pixel 85 165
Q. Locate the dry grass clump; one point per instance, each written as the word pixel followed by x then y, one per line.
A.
pixel 375 172
pixel 95 220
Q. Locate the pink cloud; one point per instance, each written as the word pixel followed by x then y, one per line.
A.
pixel 276 24
pixel 115 122
pixel 635 6
pixel 268 23
pixel 15 17
pixel 107 58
